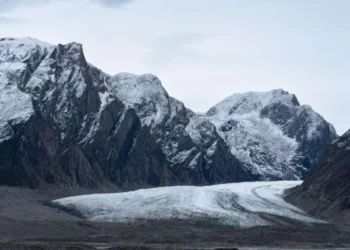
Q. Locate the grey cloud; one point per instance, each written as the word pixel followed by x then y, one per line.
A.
pixel 6 5
pixel 10 5
pixel 167 48
pixel 9 20
pixel 115 3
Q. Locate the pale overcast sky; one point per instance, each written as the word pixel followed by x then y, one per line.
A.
pixel 206 50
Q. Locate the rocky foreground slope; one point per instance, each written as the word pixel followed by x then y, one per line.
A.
pixel 326 192
pixel 64 121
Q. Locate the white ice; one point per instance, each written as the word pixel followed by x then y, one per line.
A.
pixel 240 204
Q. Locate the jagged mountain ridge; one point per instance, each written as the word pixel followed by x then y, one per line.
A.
pixel 169 121
pixel 92 128
pixel 274 137
pixel 62 122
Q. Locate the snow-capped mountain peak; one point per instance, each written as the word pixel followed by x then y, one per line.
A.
pixel 145 93
pixel 267 131
pixel 16 57
pixel 21 49
pixel 243 103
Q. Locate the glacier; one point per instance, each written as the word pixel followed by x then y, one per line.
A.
pixel 239 204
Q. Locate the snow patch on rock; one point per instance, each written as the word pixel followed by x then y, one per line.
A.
pixel 15 106
pixel 144 93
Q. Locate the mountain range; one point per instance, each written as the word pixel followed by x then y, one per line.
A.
pixel 63 121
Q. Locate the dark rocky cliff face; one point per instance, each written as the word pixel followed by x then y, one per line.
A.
pixel 60 123
pixel 69 138
pixel 326 192
pixel 312 133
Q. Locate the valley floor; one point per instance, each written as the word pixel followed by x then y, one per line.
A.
pixel 28 222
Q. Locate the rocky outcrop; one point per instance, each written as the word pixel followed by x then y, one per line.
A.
pixel 326 192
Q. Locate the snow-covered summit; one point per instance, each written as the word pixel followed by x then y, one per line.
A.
pixel 16 57
pixel 243 103
pixel 145 93
pixel 21 49
pixel 269 131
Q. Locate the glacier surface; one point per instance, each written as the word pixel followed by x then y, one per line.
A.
pixel 239 204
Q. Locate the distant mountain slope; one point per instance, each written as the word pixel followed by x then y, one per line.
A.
pixel 326 192
pixel 271 134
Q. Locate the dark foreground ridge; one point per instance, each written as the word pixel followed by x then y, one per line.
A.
pixel 326 192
